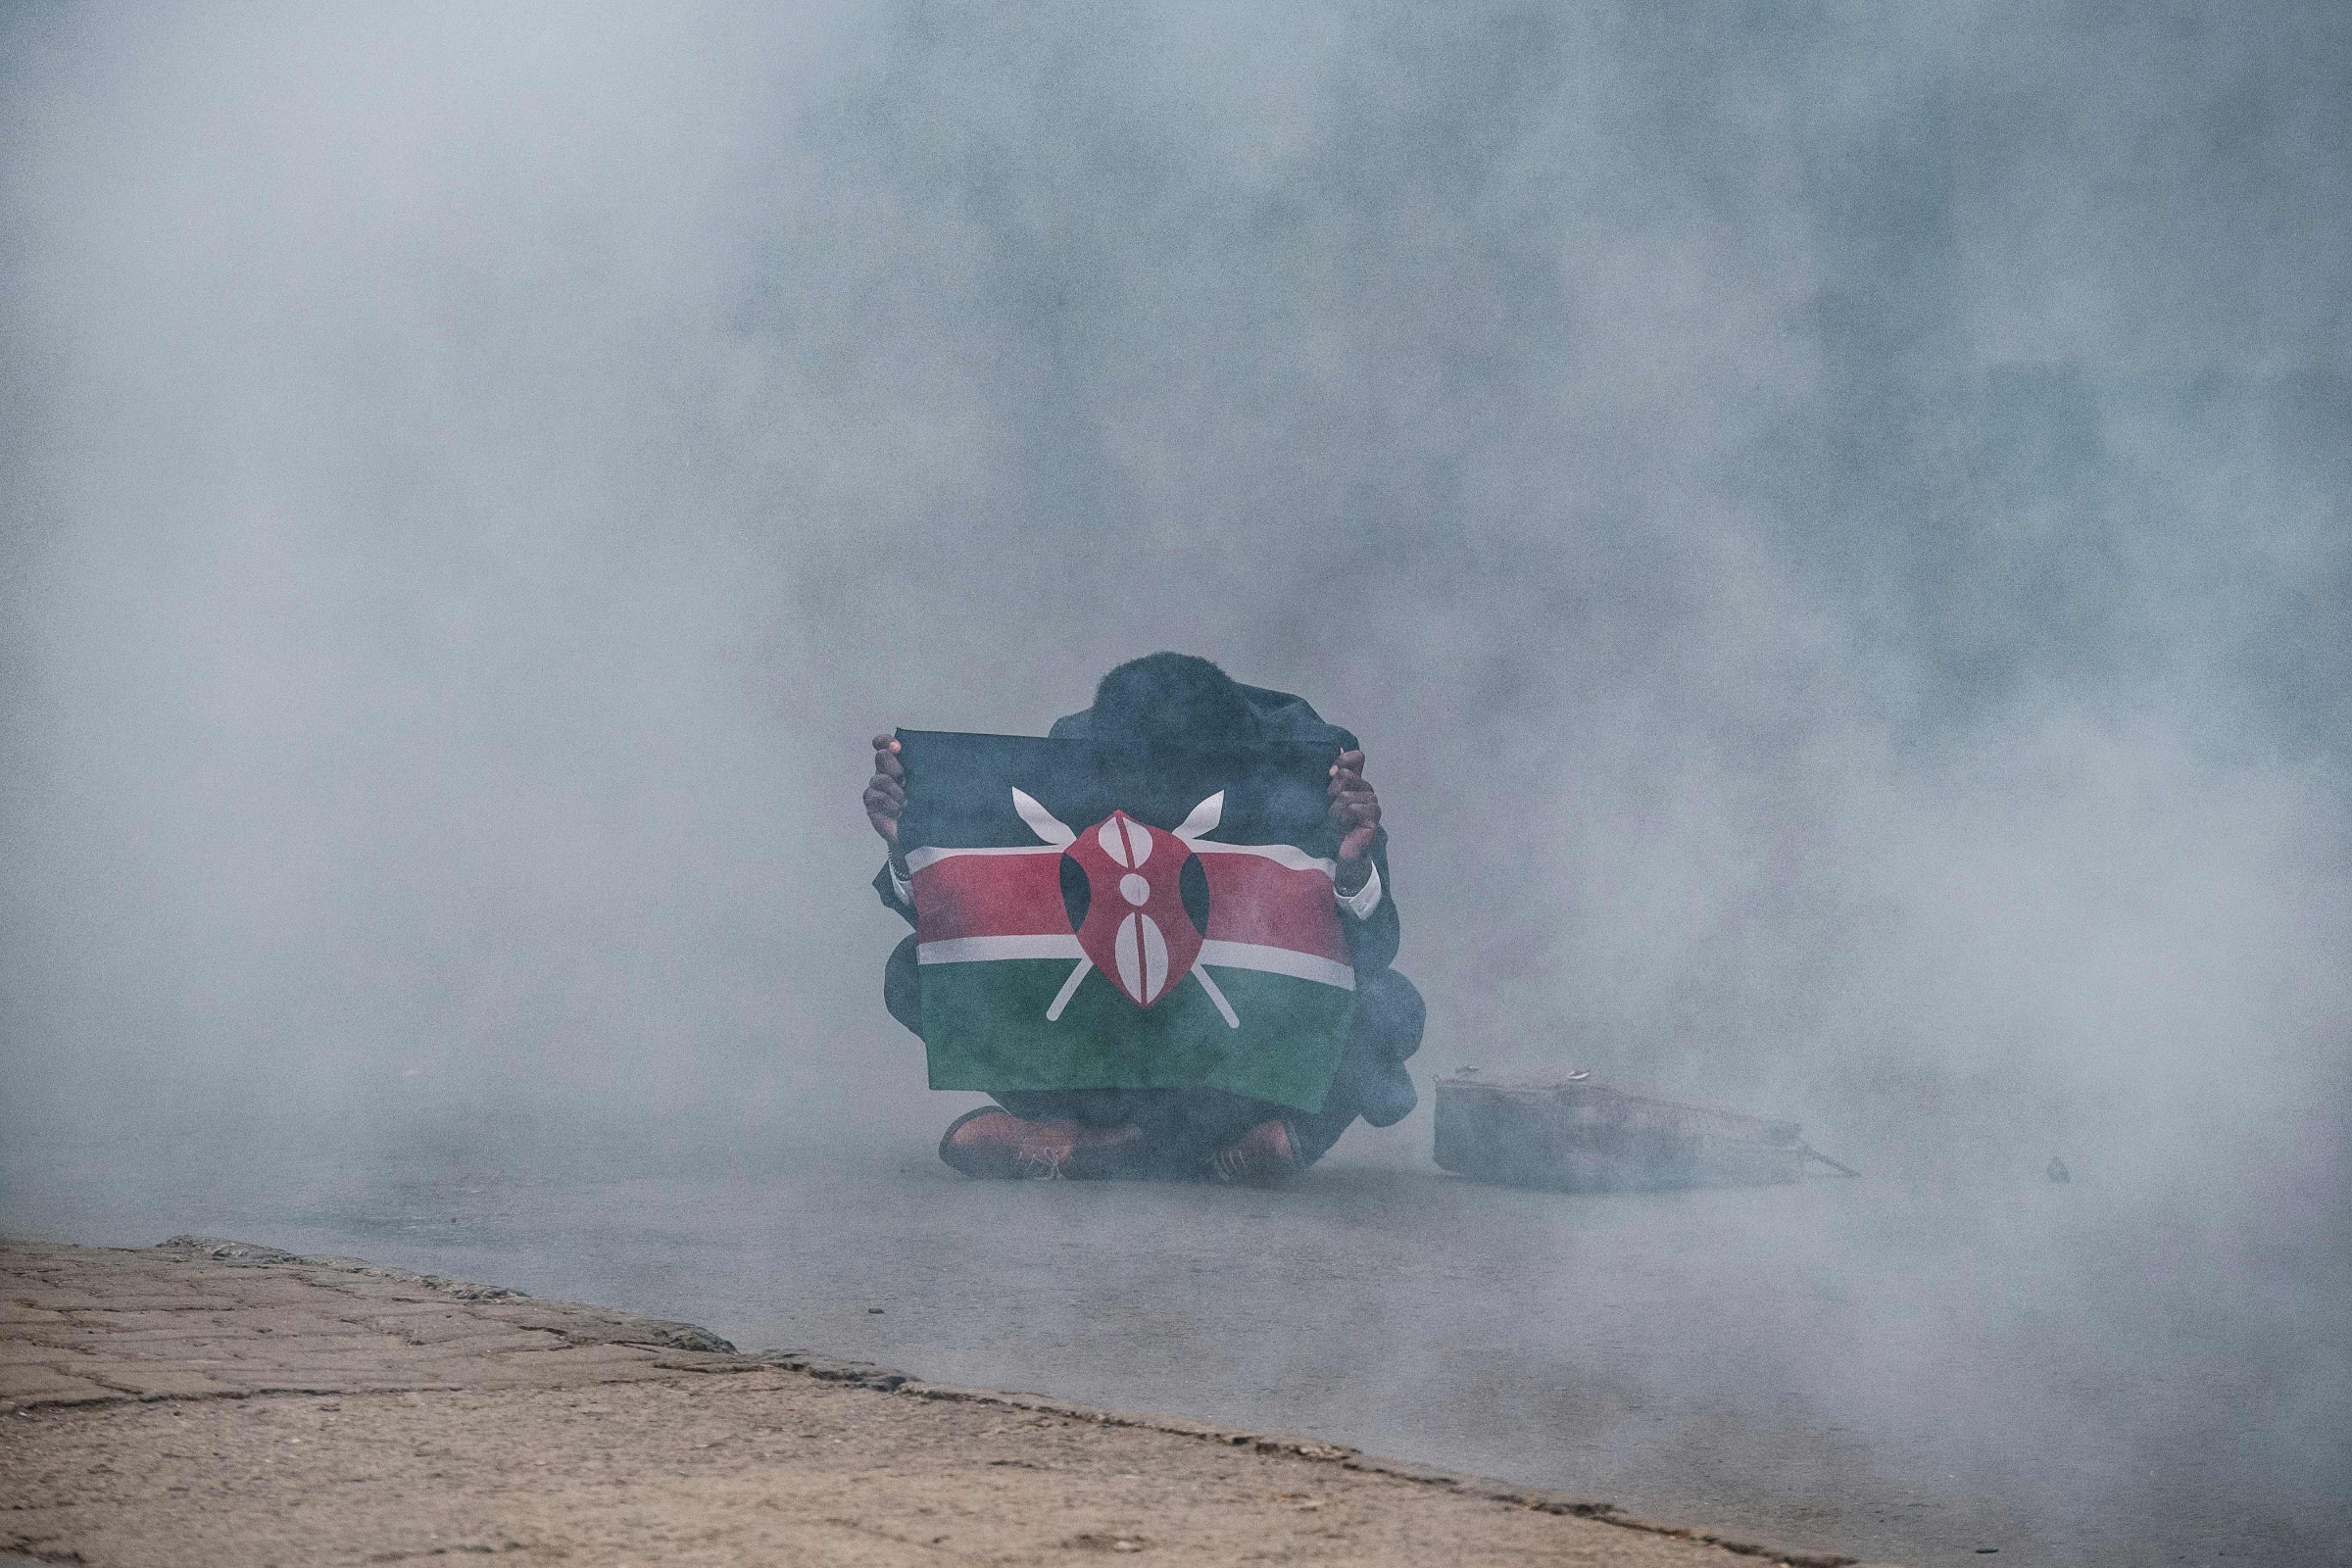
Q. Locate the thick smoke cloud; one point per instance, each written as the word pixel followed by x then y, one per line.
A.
pixel 1830 519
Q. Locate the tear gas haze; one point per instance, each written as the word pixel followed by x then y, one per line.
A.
pixel 1828 518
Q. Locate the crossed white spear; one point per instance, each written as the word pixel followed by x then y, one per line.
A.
pixel 1051 829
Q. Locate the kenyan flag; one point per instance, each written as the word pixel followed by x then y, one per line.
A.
pixel 1091 922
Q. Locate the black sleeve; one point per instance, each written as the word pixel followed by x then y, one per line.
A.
pixel 1374 942
pixel 889 895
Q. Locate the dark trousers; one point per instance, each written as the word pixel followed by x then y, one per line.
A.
pixel 1190 1124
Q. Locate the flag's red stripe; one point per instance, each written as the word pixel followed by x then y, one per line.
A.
pixel 1252 899
pixel 989 895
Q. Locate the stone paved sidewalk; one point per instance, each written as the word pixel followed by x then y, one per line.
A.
pixel 199 1316
pixel 207 1401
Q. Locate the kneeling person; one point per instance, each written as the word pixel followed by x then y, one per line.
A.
pixel 1169 701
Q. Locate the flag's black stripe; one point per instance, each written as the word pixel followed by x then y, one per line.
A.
pixel 960 789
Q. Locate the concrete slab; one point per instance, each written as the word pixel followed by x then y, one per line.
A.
pixel 567 1441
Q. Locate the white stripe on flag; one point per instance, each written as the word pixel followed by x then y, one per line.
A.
pixel 916 859
pixel 1278 960
pixel 1224 954
pixel 981 950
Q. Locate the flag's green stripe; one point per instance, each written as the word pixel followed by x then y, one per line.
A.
pixel 984 1027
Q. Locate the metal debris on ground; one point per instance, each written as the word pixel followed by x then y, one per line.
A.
pixel 1573 1133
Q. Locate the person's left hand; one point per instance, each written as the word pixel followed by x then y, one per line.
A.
pixel 1355 814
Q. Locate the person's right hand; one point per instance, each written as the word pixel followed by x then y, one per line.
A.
pixel 886 796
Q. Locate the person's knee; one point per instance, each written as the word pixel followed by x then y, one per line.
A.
pixel 1389 1014
pixel 1388 1019
pixel 903 986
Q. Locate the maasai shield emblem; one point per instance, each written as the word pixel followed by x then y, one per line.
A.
pixel 1133 922
pixel 1137 930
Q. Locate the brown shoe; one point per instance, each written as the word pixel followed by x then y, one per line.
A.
pixel 993 1145
pixel 1265 1152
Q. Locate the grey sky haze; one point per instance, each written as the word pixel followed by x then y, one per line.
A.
pixel 1830 519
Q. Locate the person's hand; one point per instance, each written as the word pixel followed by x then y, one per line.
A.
pixel 886 796
pixel 1355 814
